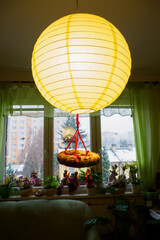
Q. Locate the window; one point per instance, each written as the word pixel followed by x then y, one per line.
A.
pixel 21 145
pixel 117 138
pixel 14 139
pixel 22 139
pixel 60 144
pixel 14 133
pixel 30 129
pixel 29 155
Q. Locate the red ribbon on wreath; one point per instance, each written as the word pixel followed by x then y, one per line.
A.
pixel 76 142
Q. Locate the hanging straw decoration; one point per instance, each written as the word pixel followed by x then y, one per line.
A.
pixel 78 158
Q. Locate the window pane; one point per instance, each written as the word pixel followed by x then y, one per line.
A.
pixel 60 143
pixel 118 144
pixel 24 151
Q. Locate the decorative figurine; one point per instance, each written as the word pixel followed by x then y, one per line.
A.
pixel 65 180
pixel 74 182
pixel 89 179
pixel 76 179
pixel 33 177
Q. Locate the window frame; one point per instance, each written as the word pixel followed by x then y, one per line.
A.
pixel 48 154
pixel 3 172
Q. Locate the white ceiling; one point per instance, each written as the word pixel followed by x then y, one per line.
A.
pixel 21 22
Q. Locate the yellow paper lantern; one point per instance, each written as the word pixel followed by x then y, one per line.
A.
pixel 81 63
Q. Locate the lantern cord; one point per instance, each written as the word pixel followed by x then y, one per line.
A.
pixel 76 6
pixel 77 133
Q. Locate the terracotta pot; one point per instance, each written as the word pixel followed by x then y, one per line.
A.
pixel 26 192
pixel 50 191
pixel 136 188
pixel 36 189
pixel 121 190
pixel 91 191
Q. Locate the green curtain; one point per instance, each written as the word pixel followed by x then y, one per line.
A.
pixel 2 135
pixel 20 99
pixel 146 118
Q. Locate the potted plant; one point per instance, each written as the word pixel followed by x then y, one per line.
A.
pixel 117 227
pixel 91 179
pixel 117 182
pixel 6 188
pixel 133 169
pixel 136 184
pixel 113 172
pixel 134 179
pixel 50 185
pixel 25 186
pixel 82 176
pixel 97 178
pixel 37 183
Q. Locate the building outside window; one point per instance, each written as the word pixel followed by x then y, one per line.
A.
pixel 29 155
pixel 14 133
pixel 117 137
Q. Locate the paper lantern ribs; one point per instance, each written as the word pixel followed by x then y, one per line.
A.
pixel 81 63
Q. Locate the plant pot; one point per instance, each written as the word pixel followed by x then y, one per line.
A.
pixel 121 190
pixel 91 191
pixel 15 191
pixel 65 190
pixel 82 189
pixel 26 192
pixel 36 189
pixel 50 191
pixel 72 192
pixel 136 188
pixel 129 187
pixel 5 192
